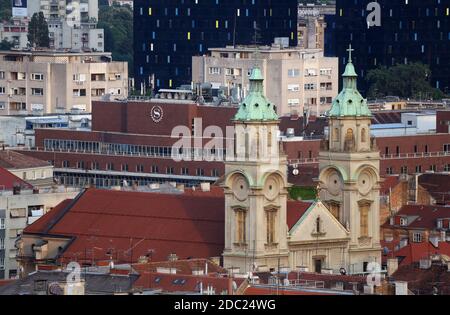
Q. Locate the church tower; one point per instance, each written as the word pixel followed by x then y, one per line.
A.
pixel 349 179
pixel 255 187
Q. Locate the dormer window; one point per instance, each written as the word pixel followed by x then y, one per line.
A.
pixel 403 221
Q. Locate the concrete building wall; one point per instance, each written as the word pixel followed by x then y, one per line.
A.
pixel 64 82
pixel 294 79
pixel 18 215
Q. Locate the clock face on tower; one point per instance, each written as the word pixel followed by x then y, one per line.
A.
pixel 271 188
pixel 240 188
pixel 364 183
pixel 334 184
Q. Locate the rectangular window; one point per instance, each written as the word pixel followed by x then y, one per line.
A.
pixel 293 73
pixel 240 226
pixel 364 220
pixel 294 87
pixel 214 70
pixel 270 228
pixel 2 223
pixel 37 91
pixel 37 76
pixel 417 237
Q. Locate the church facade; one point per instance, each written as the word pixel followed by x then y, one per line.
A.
pixel 340 230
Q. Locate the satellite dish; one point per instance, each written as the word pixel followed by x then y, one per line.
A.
pixel 295 172
pixel 343 271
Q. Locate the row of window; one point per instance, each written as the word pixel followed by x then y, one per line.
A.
pixel 124 149
pixel 140 168
pixel 387 150
pixel 418 169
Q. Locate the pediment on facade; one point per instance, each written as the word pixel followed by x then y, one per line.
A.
pixel 330 229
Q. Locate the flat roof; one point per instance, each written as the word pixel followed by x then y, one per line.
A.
pixel 266 49
pixel 52 53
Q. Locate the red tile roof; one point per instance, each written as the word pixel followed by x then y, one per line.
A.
pixel 14 160
pixel 281 291
pixel 107 222
pixel 414 252
pixel 389 183
pixel 422 281
pixel 45 221
pixel 8 181
pixel 182 267
pixel 437 185
pixel 295 210
pixel 182 283
pixel 104 221
pixel 421 216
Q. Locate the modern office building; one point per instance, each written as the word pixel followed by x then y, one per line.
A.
pixel 168 33
pixel 43 82
pixel 296 80
pixel 410 31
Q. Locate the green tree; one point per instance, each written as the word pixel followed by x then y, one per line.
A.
pixel 6 45
pixel 38 35
pixel 5 10
pixel 402 80
pixel 117 22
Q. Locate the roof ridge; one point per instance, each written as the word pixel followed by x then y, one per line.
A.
pixel 62 213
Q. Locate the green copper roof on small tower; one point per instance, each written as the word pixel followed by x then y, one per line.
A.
pixel 349 102
pixel 256 107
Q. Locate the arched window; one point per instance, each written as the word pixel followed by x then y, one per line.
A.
pixel 349 144
pixel 363 135
pixel 336 135
pixel 349 134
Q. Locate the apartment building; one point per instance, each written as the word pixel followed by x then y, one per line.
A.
pixel 43 82
pixel 296 80
pixel 21 205
pixel 72 24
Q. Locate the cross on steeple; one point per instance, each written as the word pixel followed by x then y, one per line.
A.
pixel 350 53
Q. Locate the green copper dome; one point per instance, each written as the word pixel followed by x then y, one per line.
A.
pixel 256 106
pixel 349 102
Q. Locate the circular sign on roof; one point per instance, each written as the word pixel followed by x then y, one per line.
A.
pixel 157 113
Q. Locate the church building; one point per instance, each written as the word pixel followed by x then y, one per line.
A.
pixel 340 230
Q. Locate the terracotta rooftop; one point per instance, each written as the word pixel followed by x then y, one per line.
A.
pixel 182 267
pixel 184 283
pixel 389 183
pixel 414 252
pixel 422 281
pixel 421 216
pixel 437 185
pixel 14 160
pixel 8 181
pixel 132 223
pixel 102 223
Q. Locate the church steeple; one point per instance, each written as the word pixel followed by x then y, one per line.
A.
pixel 349 102
pixel 256 107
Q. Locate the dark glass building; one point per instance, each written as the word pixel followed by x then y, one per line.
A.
pixel 411 30
pixel 167 33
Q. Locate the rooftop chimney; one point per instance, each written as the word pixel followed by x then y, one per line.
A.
pixel 205 187
pixel 392 266
pixel 401 288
